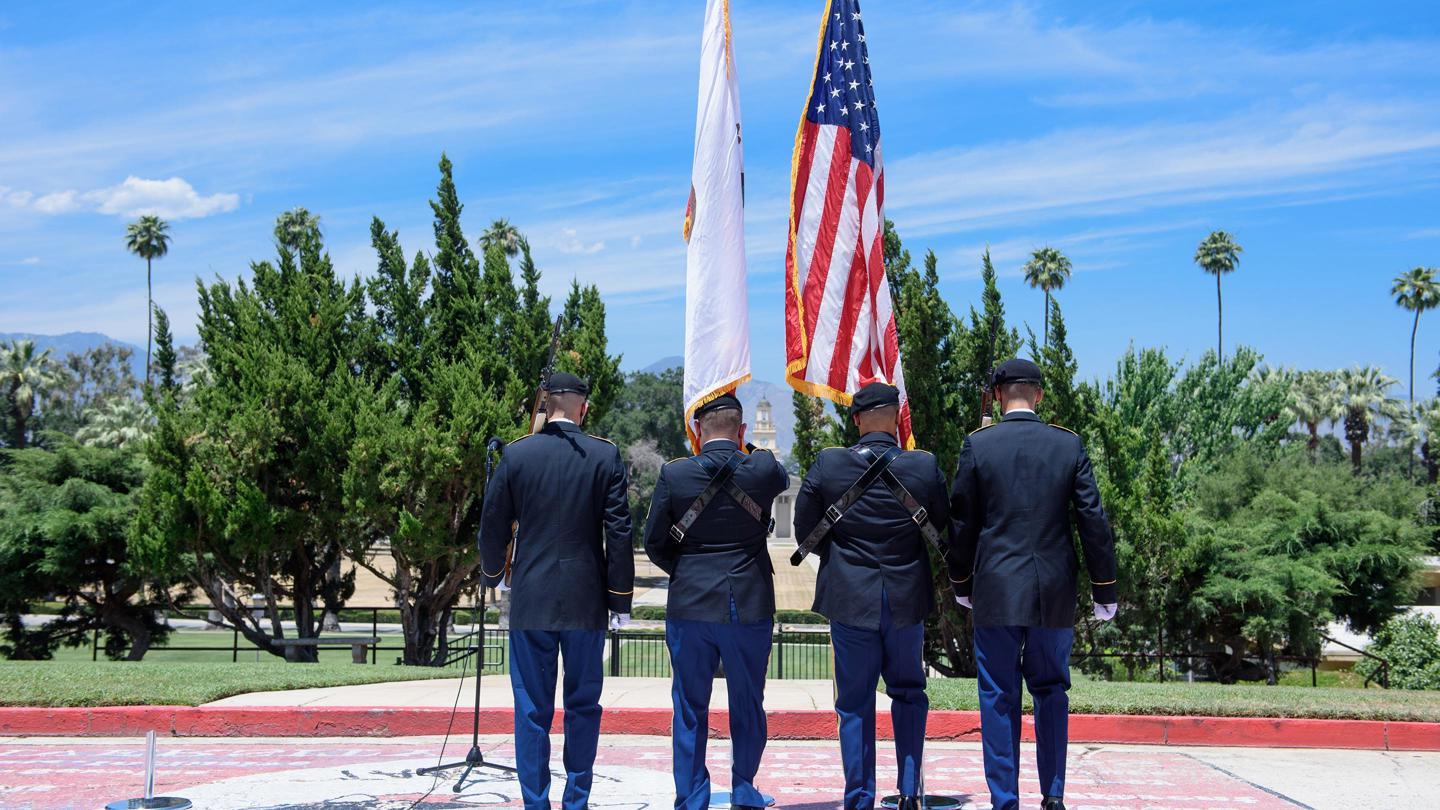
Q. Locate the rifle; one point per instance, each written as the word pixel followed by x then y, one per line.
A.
pixel 538 417
pixel 987 390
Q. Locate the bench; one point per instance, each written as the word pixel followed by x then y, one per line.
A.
pixel 358 645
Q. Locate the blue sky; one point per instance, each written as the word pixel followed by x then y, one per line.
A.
pixel 1119 132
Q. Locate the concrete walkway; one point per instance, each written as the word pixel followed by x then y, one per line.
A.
pixel 495 693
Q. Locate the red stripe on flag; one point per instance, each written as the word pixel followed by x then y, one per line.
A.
pixel 856 287
pixel 802 171
pixel 829 222
pixel 797 341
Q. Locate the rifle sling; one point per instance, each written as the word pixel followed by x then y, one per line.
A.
pixel 879 470
pixel 721 480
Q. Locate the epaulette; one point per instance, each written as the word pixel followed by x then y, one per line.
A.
pixel 680 458
pixel 526 436
pixel 983 427
pixel 1067 430
pixel 601 438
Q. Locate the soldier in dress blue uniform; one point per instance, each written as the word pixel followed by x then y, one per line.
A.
pixel 874 586
pixel 572 562
pixel 1013 562
pixel 721 602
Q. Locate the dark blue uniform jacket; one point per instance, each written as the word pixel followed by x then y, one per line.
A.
pixel 875 545
pixel 573 557
pixel 723 554
pixel 1020 487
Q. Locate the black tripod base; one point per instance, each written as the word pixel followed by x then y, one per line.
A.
pixel 474 759
pixel 926 802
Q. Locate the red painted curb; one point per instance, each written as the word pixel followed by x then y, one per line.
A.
pixel 288 721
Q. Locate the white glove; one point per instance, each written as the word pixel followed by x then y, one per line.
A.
pixel 964 601
pixel 1105 612
pixel 502 586
pixel 618 620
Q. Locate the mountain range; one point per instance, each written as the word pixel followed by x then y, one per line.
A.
pixel 79 343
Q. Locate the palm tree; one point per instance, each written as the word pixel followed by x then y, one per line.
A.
pixel 292 226
pixel 1427 414
pixel 1047 269
pixel 1416 291
pixel 1315 400
pixel 502 234
pixel 25 376
pixel 1218 254
pixel 122 421
pixel 149 238
pixel 1364 395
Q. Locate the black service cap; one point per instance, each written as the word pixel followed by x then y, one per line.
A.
pixel 724 402
pixel 1017 370
pixel 563 382
pixel 875 395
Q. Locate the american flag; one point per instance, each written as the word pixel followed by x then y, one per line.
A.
pixel 839 319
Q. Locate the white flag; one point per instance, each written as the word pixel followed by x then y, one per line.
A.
pixel 717 306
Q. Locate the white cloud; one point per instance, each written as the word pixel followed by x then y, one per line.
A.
pixel 569 243
pixel 31 260
pixel 58 202
pixel 1142 60
pixel 172 199
pixel 14 198
pixel 1316 148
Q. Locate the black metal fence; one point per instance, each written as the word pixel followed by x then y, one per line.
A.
pixel 794 654
pixel 797 652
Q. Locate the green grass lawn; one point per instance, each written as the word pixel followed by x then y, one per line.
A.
pixel 1217 700
pixel 177 683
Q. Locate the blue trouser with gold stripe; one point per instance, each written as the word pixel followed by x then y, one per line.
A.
pixel 532 676
pixel 1042 656
pixel 862 657
pixel 695 648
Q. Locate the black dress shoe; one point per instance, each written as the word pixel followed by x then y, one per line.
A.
pixel 1052 803
pixel 908 803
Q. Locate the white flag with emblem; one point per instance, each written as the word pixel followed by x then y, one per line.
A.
pixel 717 306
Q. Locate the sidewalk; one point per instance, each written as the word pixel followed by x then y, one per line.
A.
pixel 495 693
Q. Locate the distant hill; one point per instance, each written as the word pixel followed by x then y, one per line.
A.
pixel 79 343
pixel 781 409
pixel 664 364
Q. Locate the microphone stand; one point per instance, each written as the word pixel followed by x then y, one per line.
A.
pixel 476 757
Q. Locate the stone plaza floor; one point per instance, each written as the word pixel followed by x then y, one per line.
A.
pixel 633 773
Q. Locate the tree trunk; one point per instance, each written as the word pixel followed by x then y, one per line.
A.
pixel 149 319
pixel 330 620
pixel 1219 321
pixel 1045 342
pixel 1355 435
pixel 238 615
pixel 1413 330
pixel 1313 444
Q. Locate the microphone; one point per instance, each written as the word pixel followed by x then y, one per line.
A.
pixel 495 444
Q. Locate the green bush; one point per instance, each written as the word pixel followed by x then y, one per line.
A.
pixel 1411 643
